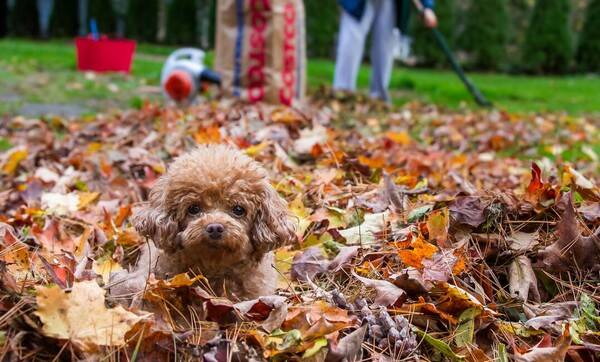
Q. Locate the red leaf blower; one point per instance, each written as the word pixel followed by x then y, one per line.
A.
pixel 184 73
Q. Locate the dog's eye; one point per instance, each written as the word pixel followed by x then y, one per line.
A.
pixel 238 210
pixel 194 210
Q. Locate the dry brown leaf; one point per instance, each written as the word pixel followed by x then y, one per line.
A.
pixel 81 316
pixel 411 280
pixel 270 311
pixel 468 210
pixel 591 212
pixel 585 187
pixel 317 319
pixel 521 241
pixel 308 264
pixel 343 258
pixel 522 280
pixel 349 348
pixel 14 253
pixel 571 249
pixel 548 354
pixel 440 267
pixel 364 234
pixel 387 294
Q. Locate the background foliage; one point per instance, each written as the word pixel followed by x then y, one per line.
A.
pixel 102 12
pixel 505 35
pixel 424 47
pixel 485 34
pixel 181 22
pixel 23 20
pixel 142 19
pixel 548 46
pixel 588 53
pixel 64 18
pixel 321 28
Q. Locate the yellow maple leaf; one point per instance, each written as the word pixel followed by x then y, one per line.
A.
pixel 18 260
pixel 283 264
pixel 94 147
pixel 81 316
pixel 256 149
pixel 105 267
pixel 13 160
pixel 301 213
pixel 81 243
pixel 587 189
pixel 86 198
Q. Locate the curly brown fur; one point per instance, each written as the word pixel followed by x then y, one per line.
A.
pixel 218 187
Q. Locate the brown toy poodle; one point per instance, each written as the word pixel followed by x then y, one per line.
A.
pixel 214 213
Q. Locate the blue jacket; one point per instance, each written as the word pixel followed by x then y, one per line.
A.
pixel 356 8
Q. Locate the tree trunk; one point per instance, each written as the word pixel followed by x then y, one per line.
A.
pixel 83 13
pixel 161 33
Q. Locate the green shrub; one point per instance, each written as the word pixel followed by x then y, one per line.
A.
pixel 424 46
pixel 485 34
pixel 142 20
pixel 588 51
pixel 3 18
pixel 181 22
pixel 64 20
pixel 548 44
pixel 322 19
pixel 102 11
pixel 23 18
pixel 213 23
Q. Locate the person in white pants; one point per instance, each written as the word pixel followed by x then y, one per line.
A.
pixel 358 17
pixel 44 8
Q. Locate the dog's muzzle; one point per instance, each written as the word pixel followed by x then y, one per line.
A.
pixel 215 231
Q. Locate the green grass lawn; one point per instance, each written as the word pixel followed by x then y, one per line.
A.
pixel 44 72
pixel 573 94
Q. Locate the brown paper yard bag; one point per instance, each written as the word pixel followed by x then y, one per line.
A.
pixel 261 50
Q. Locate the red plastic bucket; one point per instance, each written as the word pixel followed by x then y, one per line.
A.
pixel 104 55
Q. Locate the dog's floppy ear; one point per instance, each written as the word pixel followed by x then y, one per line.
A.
pixel 152 221
pixel 271 228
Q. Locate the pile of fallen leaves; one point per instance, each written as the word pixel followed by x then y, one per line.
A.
pixel 422 234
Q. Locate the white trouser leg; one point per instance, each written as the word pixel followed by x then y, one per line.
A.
pixel 382 54
pixel 351 44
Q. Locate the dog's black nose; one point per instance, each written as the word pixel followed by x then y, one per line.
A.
pixel 215 231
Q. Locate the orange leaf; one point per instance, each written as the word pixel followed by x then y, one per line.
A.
pixel 375 162
pixel 122 215
pixel 208 135
pixel 421 250
pixel 437 224
pixel 128 237
pixel 459 266
pixel 536 184
pixel 401 138
pixel 105 167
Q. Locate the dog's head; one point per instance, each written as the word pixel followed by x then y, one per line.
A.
pixel 218 205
